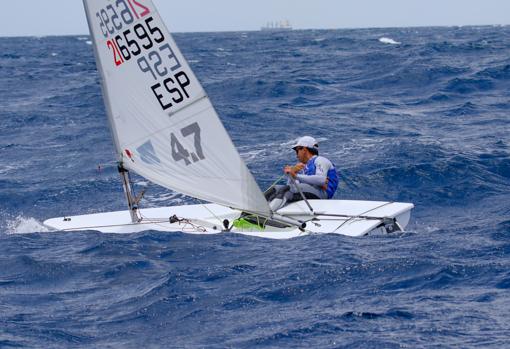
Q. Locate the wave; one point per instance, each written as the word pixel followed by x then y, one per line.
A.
pixel 25 225
pixel 437 176
pixel 499 72
pixel 390 41
pixel 468 85
pixel 424 121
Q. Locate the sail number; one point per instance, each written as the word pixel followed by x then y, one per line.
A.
pixel 113 18
pixel 146 43
pixel 131 43
pixel 180 153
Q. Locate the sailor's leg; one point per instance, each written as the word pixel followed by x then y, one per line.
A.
pixel 309 191
pixel 270 194
pixel 276 191
pixel 275 204
pixel 278 199
pixel 292 194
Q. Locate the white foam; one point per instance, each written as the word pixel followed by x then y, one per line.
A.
pixel 174 198
pixel 7 168
pixel 54 54
pixel 263 151
pixel 389 41
pixel 24 225
pixel 88 42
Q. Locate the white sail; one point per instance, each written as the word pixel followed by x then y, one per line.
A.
pixel 163 124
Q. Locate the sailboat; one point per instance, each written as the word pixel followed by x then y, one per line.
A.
pixel 166 130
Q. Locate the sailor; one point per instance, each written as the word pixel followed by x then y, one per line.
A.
pixel 315 176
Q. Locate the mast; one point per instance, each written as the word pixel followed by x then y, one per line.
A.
pixel 124 173
pixel 132 201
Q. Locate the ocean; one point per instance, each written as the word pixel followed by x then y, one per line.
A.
pixel 415 114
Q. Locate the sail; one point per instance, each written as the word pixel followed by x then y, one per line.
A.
pixel 164 125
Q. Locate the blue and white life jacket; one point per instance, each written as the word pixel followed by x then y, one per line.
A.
pixel 332 177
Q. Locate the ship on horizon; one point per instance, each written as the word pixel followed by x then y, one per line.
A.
pixel 277 26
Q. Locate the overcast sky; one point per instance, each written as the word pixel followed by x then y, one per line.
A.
pixel 63 17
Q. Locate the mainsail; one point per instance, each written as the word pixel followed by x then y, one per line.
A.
pixel 163 124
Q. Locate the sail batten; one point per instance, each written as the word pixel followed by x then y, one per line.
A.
pixel 191 103
pixel 164 126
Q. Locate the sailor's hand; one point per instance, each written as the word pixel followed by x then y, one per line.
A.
pixel 291 170
pixel 298 167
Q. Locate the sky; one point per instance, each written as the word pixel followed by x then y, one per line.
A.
pixel 66 17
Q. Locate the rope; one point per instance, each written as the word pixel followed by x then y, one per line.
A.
pixel 301 192
pixel 207 208
pixel 194 227
pixel 275 183
pixel 174 219
pixel 363 214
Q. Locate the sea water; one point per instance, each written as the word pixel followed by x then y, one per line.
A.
pixel 416 115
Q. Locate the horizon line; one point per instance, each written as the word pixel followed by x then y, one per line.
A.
pixel 269 32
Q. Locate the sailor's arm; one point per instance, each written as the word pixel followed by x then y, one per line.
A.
pixel 320 178
pixel 317 180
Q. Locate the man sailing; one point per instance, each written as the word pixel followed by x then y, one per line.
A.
pixel 314 176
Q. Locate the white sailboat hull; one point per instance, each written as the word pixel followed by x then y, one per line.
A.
pixel 345 217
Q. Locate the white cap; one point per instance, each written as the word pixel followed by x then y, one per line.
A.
pixel 307 142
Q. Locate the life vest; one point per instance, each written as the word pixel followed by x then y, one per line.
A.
pixel 332 177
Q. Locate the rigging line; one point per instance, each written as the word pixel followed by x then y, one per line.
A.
pixel 336 216
pixel 185 223
pixel 207 208
pixel 107 163
pixel 272 185
pixel 362 214
pixel 301 193
pixel 322 214
pixel 162 222
pixel 96 227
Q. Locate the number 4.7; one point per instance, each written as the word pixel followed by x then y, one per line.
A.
pixel 180 153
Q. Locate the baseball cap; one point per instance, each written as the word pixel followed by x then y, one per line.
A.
pixel 307 142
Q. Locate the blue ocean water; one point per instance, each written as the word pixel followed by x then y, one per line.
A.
pixel 424 120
